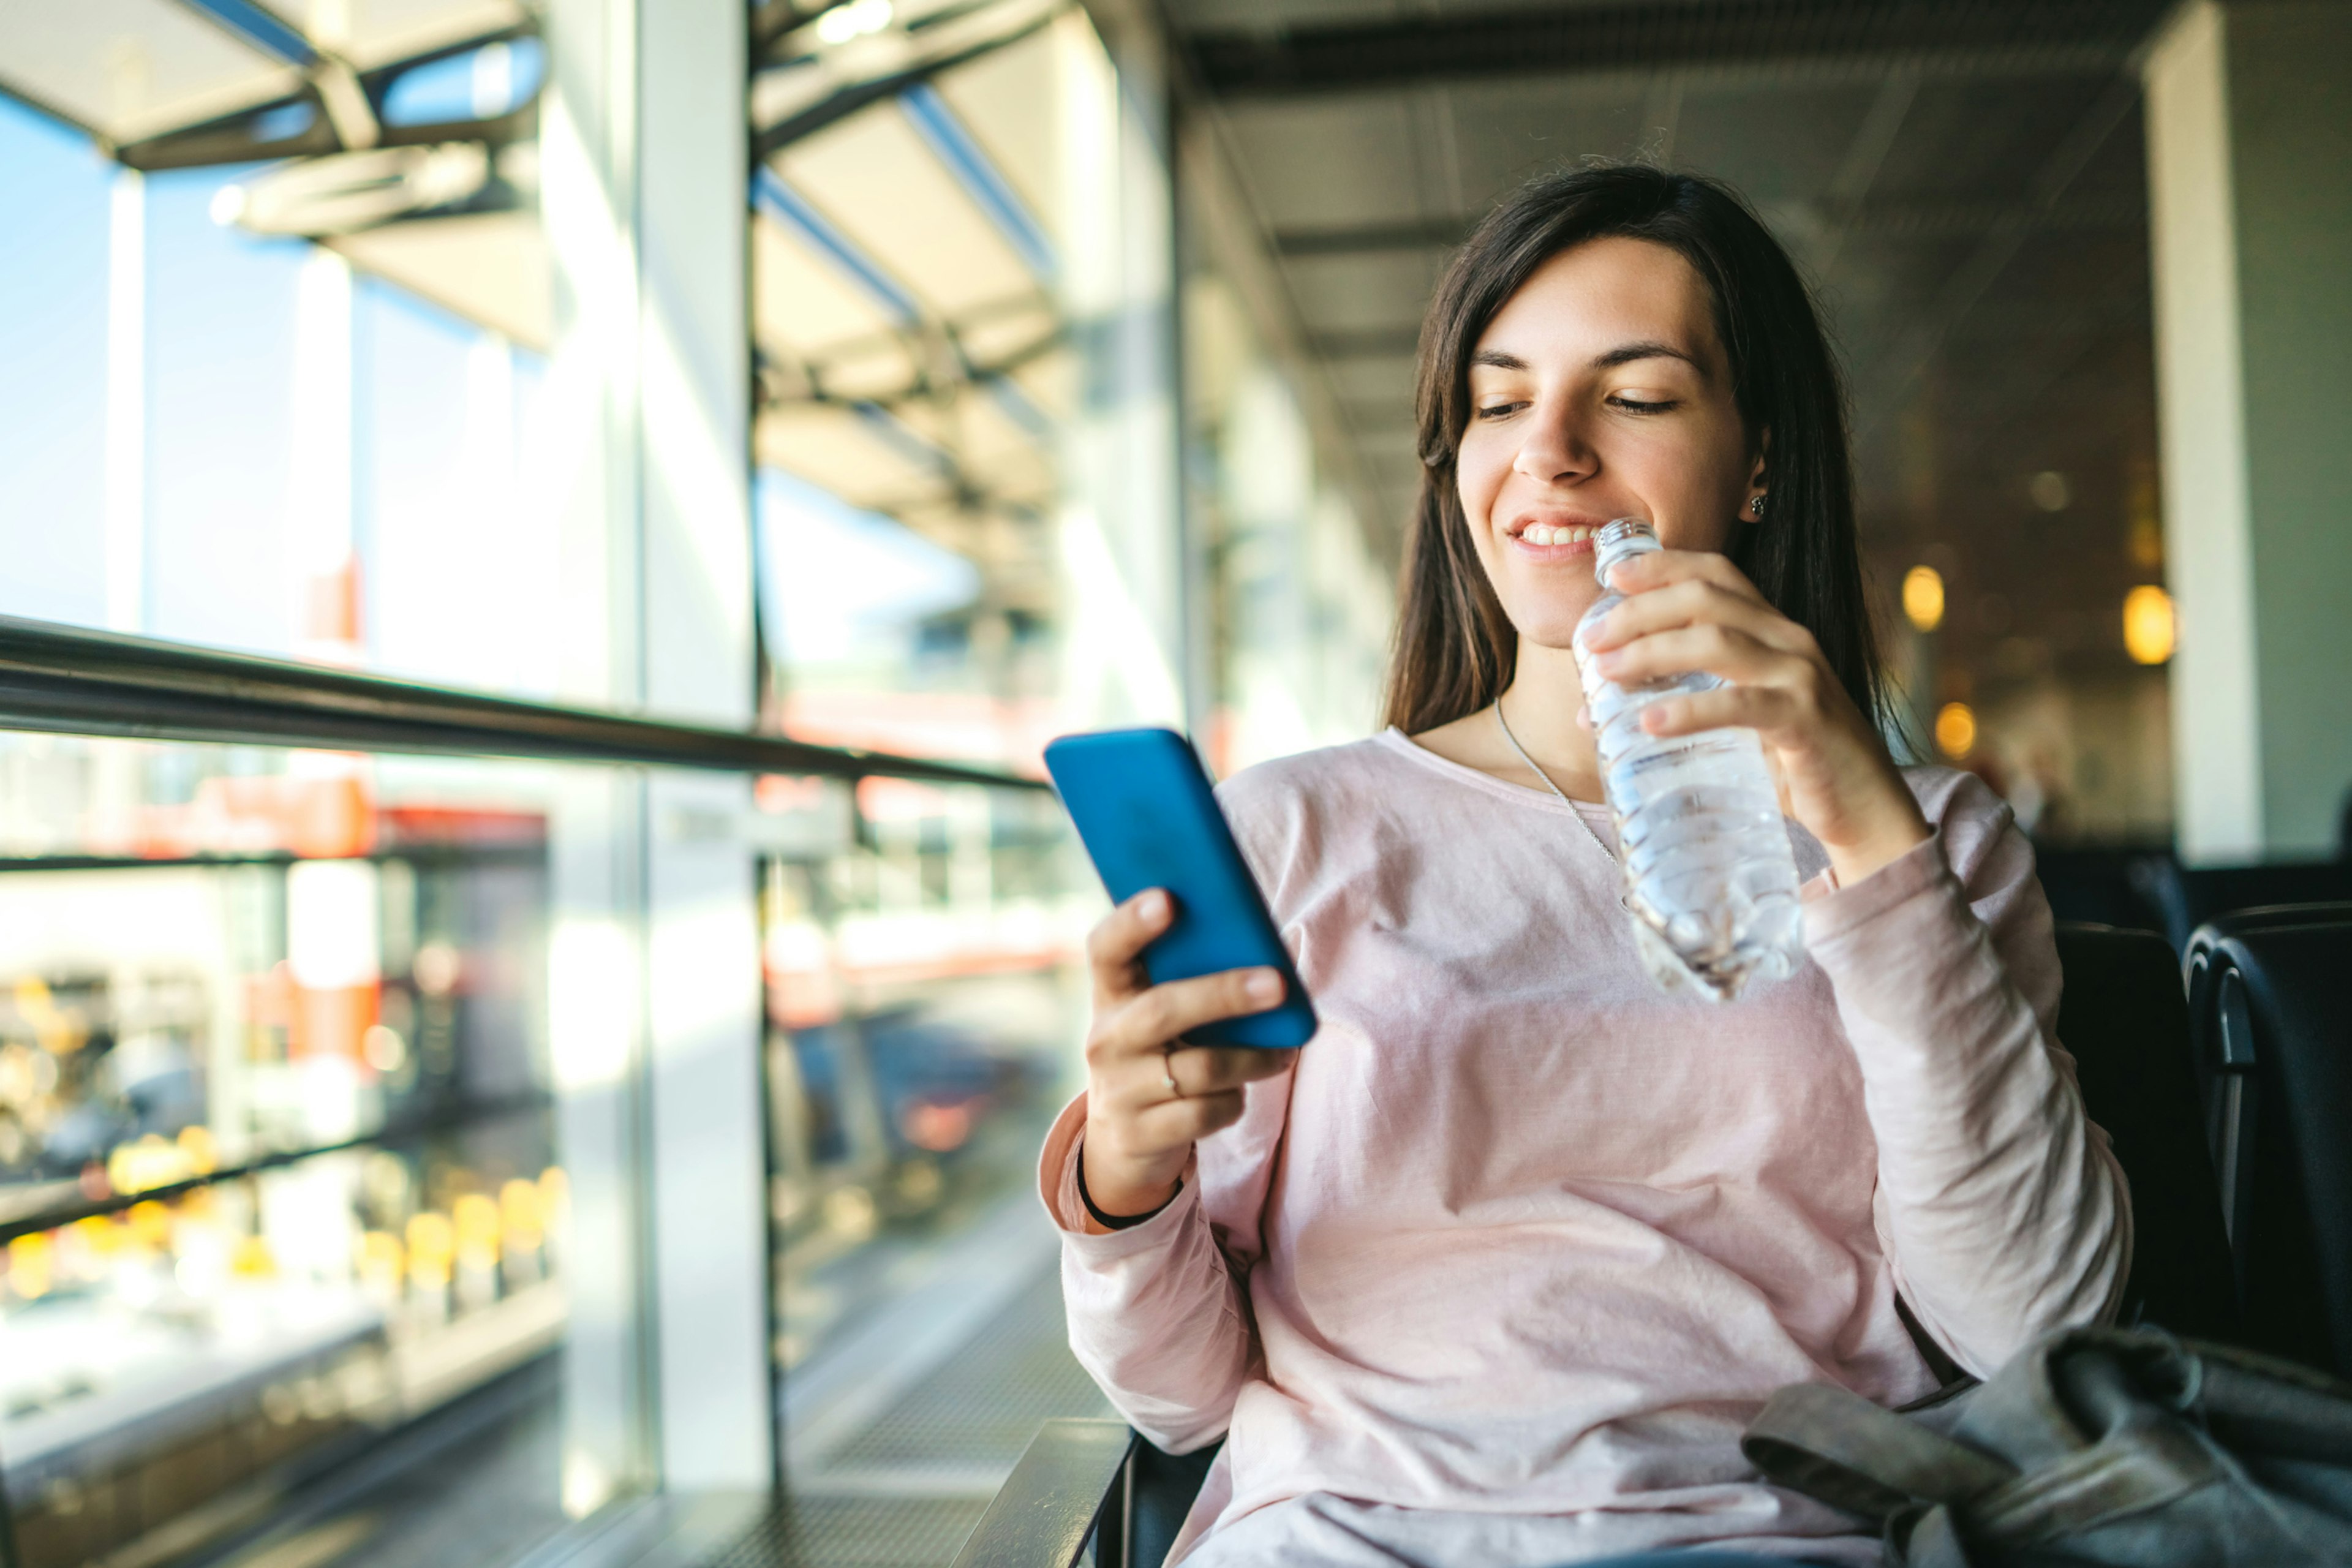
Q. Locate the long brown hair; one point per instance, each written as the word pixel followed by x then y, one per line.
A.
pixel 1455 647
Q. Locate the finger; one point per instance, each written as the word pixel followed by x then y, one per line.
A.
pixel 1115 947
pixel 1172 1123
pixel 1658 569
pixel 1767 709
pixel 1211 1069
pixel 1693 603
pixel 1166 1013
pixel 1717 649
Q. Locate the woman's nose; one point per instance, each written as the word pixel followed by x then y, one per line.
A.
pixel 1553 449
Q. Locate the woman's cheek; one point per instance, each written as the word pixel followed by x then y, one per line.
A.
pixel 1479 473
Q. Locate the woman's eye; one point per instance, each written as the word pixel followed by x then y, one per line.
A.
pixel 1641 404
pixel 1497 410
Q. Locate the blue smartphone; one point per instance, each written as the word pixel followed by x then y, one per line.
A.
pixel 1143 809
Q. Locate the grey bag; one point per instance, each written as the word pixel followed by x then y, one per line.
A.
pixel 2096 1446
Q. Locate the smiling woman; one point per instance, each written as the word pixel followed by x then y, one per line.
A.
pixel 1494 1269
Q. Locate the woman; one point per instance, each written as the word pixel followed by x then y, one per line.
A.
pixel 1495 1269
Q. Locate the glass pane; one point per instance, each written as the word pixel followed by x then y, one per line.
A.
pixel 925 998
pixel 288 1159
pixel 1300 603
pixel 965 444
pixel 280 396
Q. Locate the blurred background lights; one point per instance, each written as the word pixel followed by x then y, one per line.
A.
pixel 1956 730
pixel 2050 490
pixel 2148 623
pixel 1923 597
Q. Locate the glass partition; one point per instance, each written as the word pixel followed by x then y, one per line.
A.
pixel 921 950
pixel 1299 603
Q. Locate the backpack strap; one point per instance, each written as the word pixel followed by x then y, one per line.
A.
pixel 1834 1445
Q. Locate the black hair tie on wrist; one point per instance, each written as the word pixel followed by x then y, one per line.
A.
pixel 1115 1221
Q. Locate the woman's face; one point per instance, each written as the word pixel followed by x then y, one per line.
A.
pixel 1598 391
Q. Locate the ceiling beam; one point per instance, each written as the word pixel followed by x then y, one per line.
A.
pixel 1945 219
pixel 1651 35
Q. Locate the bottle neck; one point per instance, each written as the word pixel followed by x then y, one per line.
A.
pixel 1622 541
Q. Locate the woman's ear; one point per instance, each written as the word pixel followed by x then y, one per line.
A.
pixel 1752 508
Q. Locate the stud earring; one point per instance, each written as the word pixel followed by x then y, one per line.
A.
pixel 1756 506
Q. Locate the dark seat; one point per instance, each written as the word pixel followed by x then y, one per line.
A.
pixel 2222 1081
pixel 2122 1018
pixel 2278 1000
pixel 2189 897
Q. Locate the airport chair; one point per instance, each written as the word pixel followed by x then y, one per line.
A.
pixel 2122 1018
pixel 2187 899
pixel 2278 1010
pixel 2224 1080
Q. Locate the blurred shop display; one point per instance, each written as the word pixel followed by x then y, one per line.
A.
pixel 276 1164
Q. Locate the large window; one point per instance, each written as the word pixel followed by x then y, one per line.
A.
pixel 964 438
pixel 278 382
pixel 423 1104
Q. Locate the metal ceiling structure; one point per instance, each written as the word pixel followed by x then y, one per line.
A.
pixel 1333 48
pixel 909 352
pixel 1962 179
pixel 911 347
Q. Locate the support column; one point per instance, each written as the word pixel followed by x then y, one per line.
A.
pixel 656 947
pixel 709 1239
pixel 126 405
pixel 2249 184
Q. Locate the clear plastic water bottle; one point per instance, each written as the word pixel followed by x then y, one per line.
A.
pixel 1709 874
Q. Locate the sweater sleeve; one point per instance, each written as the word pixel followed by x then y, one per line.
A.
pixel 2003 1211
pixel 1159 1312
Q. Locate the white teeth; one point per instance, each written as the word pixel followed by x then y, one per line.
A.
pixel 1538 533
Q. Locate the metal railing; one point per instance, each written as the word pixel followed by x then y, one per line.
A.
pixel 62 679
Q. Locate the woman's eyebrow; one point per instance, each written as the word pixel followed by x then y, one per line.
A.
pixel 1626 354
pixel 1498 359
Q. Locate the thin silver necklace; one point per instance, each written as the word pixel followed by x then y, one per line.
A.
pixel 1538 769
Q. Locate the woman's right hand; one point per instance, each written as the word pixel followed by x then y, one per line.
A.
pixel 1150 1096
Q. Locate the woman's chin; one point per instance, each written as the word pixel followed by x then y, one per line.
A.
pixel 1549 624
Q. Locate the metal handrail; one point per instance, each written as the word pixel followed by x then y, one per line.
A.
pixel 72 680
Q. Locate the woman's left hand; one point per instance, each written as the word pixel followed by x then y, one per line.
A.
pixel 1695 610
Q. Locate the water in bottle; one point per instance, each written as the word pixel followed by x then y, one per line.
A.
pixel 1709 874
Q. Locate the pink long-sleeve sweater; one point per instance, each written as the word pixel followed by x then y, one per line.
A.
pixel 1497 1272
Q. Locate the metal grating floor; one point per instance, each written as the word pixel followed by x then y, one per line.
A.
pixel 906 1491
pixel 857 1532
pixel 985 1404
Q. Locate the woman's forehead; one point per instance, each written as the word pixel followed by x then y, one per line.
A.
pixel 1593 299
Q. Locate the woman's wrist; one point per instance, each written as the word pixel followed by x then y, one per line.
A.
pixel 1115 1190
pixel 1888 828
